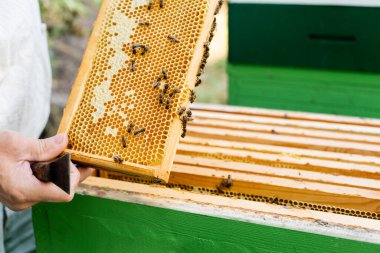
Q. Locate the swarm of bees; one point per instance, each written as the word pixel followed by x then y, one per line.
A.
pixel 168 92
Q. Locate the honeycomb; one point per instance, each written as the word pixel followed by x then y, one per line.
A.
pixel 134 46
pixel 246 196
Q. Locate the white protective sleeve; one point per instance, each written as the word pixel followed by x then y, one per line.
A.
pixel 25 72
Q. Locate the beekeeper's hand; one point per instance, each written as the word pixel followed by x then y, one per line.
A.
pixel 19 188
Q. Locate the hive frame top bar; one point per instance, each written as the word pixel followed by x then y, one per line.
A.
pixel 358 3
pixel 161 169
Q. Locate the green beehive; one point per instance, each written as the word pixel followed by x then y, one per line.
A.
pixel 305 57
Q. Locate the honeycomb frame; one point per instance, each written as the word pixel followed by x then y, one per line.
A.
pixel 107 95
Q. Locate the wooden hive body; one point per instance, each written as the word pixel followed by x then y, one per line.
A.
pixel 303 160
pixel 109 93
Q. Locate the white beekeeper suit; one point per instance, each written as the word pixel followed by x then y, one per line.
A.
pixel 25 84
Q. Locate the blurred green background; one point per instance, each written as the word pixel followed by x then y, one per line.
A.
pixel 69 25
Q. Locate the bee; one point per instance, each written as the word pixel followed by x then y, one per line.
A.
pixel 135 47
pixel 184 127
pixel 218 7
pixel 275 200
pixel 181 110
pixel 156 83
pixel 189 113
pixel 213 27
pixel 228 183
pixel 161 3
pixel 198 82
pixel 207 46
pixel 204 60
pixel 143 23
pixel 173 39
pixel 166 88
pixel 139 46
pixel 202 67
pixel 175 91
pixel 168 101
pixel 145 49
pixel 158 181
pixel 124 141
pixel 139 132
pixel 131 126
pixel 132 68
pixel 150 4
pixel 274 131
pixel 186 119
pixel 117 159
pixel 219 188
pixel 193 96
pixel 164 74
pixel 206 55
pixel 161 98
pixel 211 36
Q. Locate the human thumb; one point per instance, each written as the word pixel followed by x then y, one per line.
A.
pixel 47 149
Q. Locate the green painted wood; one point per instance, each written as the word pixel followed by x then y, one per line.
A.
pixel 331 37
pixel 334 92
pixel 90 224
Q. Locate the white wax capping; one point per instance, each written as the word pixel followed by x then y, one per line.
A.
pixel 102 95
pixel 137 3
pixel 121 33
pixel 130 92
pixel 111 131
pixel 122 115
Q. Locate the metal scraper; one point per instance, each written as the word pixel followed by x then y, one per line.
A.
pixel 56 171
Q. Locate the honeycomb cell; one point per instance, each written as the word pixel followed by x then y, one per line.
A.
pixel 114 96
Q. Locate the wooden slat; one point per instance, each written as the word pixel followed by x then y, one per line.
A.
pixel 287 114
pixel 287 131
pixel 293 152
pixel 336 127
pixel 281 161
pixel 314 192
pixel 314 158
pixel 286 141
pixel 296 174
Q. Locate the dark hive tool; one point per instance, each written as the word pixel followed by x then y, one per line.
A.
pixel 56 171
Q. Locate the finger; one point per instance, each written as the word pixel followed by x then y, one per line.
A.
pixel 74 179
pixel 85 173
pixel 47 192
pixel 45 149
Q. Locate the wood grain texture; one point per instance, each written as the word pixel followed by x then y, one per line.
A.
pixel 317 159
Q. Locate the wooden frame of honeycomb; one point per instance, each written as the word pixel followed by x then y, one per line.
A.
pixel 132 42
